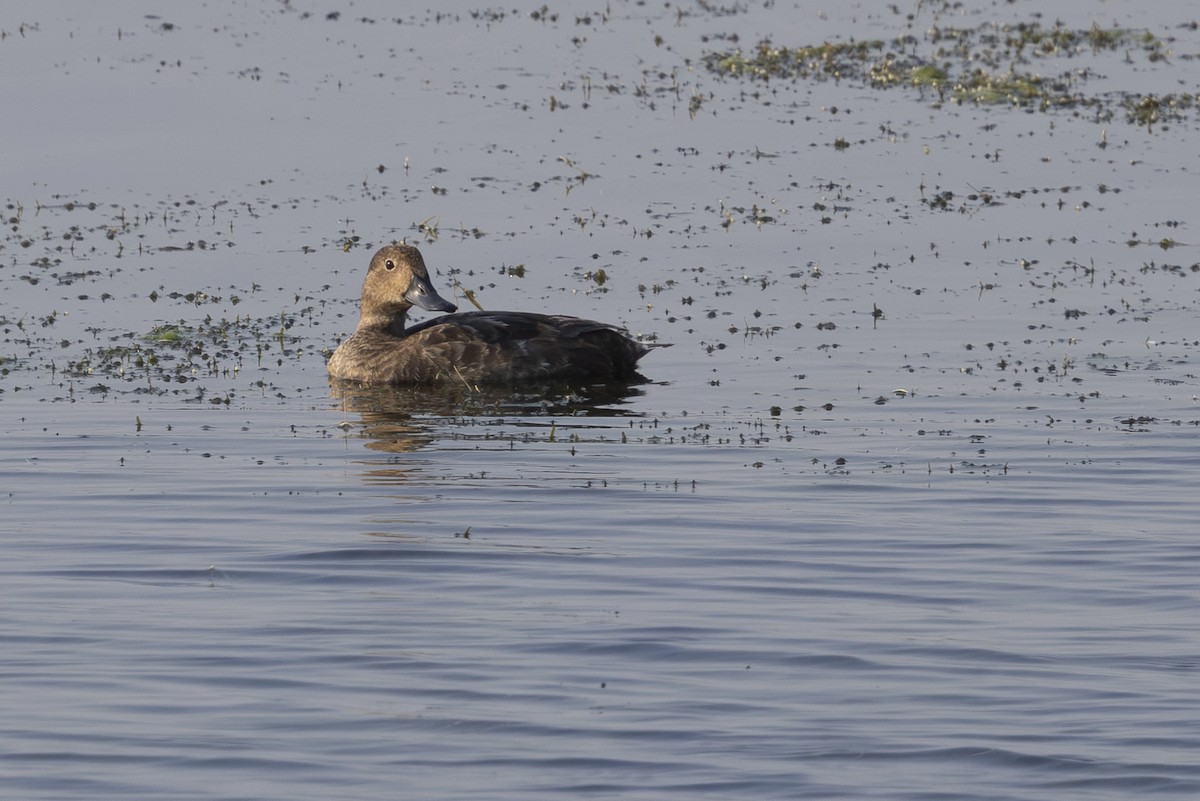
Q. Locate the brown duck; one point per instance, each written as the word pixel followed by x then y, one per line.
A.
pixel 483 347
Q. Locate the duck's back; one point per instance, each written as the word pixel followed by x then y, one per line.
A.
pixel 491 347
pixel 494 347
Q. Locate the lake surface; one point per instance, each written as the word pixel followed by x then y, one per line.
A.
pixel 906 511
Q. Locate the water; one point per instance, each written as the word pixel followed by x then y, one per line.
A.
pixel 945 551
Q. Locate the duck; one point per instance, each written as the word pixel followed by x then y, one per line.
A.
pixel 475 348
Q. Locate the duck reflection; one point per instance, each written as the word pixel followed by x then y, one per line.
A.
pixel 400 419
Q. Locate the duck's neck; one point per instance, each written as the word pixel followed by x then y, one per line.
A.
pixel 384 323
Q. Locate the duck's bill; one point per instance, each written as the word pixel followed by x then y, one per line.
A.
pixel 421 293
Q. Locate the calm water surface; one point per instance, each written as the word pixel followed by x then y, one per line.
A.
pixel 907 511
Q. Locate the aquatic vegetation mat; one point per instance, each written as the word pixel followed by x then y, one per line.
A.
pixel 1024 64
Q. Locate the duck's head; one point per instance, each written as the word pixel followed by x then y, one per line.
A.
pixel 396 281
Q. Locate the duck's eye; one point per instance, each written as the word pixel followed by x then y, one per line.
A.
pixel 389 264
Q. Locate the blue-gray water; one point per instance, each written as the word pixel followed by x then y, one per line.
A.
pixel 943 551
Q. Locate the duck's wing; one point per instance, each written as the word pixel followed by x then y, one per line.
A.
pixel 525 346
